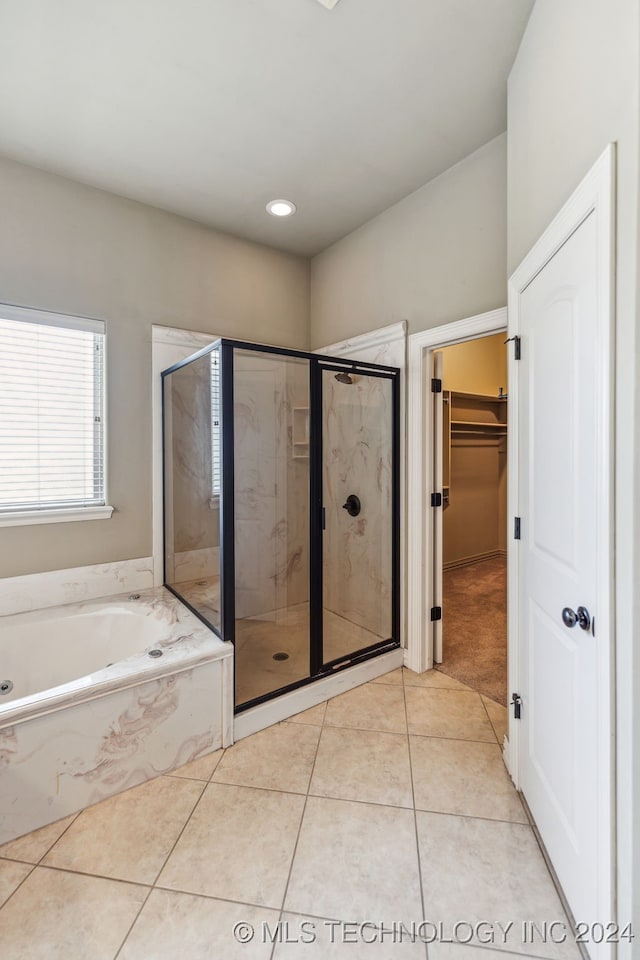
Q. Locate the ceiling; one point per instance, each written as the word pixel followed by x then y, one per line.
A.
pixel 210 108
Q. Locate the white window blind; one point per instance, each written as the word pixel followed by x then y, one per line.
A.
pixel 216 432
pixel 51 411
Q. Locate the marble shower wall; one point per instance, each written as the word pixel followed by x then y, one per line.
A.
pixel 357 459
pixel 193 521
pixel 271 398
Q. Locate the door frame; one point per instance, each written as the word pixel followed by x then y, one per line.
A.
pixel 420 463
pixel 595 196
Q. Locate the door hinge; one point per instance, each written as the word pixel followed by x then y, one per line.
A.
pixel 516 346
pixel 436 385
pixel 436 614
pixel 516 703
pixel 436 499
pixel 516 528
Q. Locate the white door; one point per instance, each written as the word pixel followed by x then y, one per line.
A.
pixel 438 511
pixel 563 469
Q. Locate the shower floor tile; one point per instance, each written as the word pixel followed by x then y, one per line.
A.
pixel 258 640
pixel 344 813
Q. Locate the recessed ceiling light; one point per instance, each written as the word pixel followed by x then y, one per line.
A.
pixel 281 208
pixel 329 4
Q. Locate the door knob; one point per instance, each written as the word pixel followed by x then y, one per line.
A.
pixel 580 616
pixel 584 619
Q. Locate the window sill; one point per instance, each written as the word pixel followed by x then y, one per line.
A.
pixel 60 515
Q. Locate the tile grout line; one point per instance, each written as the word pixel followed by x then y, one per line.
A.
pixel 495 733
pixel 24 879
pixel 415 816
pixel 152 887
pixel 295 848
pixel 38 863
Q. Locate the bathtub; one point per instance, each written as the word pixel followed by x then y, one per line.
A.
pixel 96 697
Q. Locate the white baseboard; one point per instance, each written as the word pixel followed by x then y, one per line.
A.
pixel 55 587
pixel 477 558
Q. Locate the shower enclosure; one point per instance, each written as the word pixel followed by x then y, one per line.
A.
pixel 281 508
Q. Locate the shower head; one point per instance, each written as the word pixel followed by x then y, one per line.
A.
pixel 344 378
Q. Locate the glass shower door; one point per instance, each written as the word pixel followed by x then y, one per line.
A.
pixel 270 424
pixel 359 497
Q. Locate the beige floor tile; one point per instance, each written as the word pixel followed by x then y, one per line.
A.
pixel 463 777
pixel 394 676
pixel 373 706
pixel 174 925
pixel 200 769
pixel 348 862
pixel 314 715
pixel 499 718
pixel 11 876
pixel 465 951
pixel 278 758
pixel 432 678
pixel 363 765
pixel 319 939
pixel 432 712
pixel 238 845
pixel 128 836
pixel 32 847
pixel 475 870
pixel 65 916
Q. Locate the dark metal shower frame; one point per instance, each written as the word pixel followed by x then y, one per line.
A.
pixel 317 364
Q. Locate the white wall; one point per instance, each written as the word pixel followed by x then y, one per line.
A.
pixel 73 249
pixel 573 89
pixel 438 255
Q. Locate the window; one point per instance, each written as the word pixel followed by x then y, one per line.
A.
pixel 216 437
pixel 52 439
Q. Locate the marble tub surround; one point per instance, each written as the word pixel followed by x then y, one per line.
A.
pixel 99 646
pixel 66 746
pixel 58 587
pixel 327 822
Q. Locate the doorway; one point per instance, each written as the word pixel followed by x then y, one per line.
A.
pixel 470 546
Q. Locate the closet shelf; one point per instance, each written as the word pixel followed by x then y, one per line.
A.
pixel 482 397
pixel 479 424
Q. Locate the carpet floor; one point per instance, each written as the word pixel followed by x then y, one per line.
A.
pixel 474 627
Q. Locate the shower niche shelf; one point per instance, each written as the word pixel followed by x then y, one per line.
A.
pixel 300 433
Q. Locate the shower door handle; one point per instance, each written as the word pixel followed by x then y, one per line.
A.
pixel 353 505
